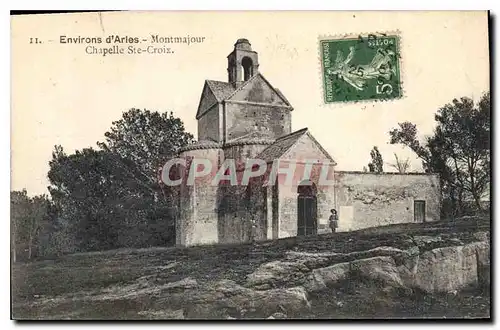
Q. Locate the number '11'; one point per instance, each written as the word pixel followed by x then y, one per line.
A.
pixel 34 41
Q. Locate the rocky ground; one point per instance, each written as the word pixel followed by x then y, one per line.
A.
pixel 433 270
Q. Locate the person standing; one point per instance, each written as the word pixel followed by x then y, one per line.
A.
pixel 334 219
pixel 253 231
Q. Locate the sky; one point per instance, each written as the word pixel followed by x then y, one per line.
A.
pixel 62 95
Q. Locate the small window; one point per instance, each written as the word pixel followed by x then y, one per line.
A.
pixel 419 211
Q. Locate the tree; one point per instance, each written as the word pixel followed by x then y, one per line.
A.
pixel 377 164
pixel 458 150
pixel 401 165
pixel 99 196
pixel 147 139
pixel 111 198
pixel 29 216
pixel 19 215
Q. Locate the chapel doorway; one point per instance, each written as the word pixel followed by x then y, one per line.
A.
pixel 306 209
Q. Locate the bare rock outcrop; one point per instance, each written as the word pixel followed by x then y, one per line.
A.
pixel 320 279
pixel 483 255
pixel 276 273
pixel 445 269
pixel 482 236
pixel 441 269
pixel 451 268
pixel 167 314
pixel 382 270
pixel 185 283
pixel 227 297
pixel 296 269
pixel 318 260
pixel 281 287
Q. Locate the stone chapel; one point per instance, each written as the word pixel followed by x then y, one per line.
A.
pixel 246 117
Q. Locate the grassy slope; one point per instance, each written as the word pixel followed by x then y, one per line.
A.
pixel 87 272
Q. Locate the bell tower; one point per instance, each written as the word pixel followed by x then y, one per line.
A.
pixel 242 63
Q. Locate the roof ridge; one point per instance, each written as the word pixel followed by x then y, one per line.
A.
pixel 283 98
pixel 323 150
pixel 277 91
pixel 302 130
pixel 209 83
pixel 218 89
pixel 199 110
pixel 284 140
pixel 243 85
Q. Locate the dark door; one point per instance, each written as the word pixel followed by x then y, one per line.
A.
pixel 275 209
pixel 419 211
pixel 306 217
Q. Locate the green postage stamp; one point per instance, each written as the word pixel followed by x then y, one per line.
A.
pixel 366 67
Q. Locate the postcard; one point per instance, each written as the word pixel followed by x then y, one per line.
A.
pixel 239 165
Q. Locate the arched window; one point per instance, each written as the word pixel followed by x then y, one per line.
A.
pixel 247 65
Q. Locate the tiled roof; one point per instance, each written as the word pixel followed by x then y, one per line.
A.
pixel 222 90
pixel 225 90
pixel 202 144
pixel 278 148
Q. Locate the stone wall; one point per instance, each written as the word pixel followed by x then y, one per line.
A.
pixel 326 201
pixel 198 216
pixel 243 212
pixel 208 125
pixel 288 199
pixel 258 207
pixel 288 209
pixel 225 214
pixel 305 150
pixel 207 100
pixel 370 199
pixel 258 91
pixel 243 119
pixel 233 217
pixel 242 152
pixel 222 214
